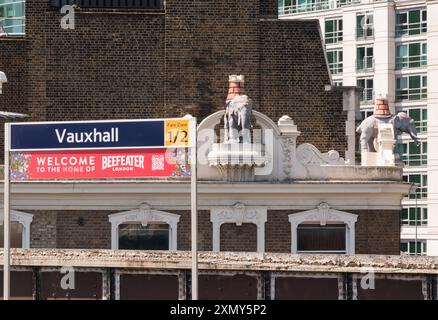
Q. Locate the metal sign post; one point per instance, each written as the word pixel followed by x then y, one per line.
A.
pixel 6 220
pixel 194 211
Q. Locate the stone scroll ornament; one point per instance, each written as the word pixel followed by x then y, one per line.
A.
pixel 308 154
pixel 238 112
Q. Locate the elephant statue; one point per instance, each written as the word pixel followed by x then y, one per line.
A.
pixel 368 129
pixel 238 119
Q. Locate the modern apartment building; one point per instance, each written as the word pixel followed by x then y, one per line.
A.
pixel 390 48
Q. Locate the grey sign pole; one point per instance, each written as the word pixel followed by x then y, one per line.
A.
pixel 6 220
pixel 194 206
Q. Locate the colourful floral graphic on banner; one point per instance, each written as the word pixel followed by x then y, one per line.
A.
pixel 20 165
pixel 180 158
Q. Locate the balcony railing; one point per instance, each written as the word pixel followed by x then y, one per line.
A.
pixel 342 3
pixel 110 4
pixel 315 5
pixel 421 125
pixel 415 160
pixel 333 37
pixel 365 64
pixel 420 194
pixel 12 26
pixel 309 6
pixel 411 62
pixel 365 33
pixel 410 29
pixel 411 94
pixel 336 67
pixel 366 96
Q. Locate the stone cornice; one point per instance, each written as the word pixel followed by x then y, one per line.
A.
pixel 223 261
pixel 118 196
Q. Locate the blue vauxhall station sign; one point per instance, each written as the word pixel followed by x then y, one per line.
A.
pixel 99 135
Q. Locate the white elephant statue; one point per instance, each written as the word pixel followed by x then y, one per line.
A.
pixel 238 120
pixel 368 129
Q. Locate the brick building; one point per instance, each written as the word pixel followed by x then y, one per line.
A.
pixel 166 61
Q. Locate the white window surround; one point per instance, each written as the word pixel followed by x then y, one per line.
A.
pixel 25 219
pixel 323 214
pixel 238 214
pixel 144 215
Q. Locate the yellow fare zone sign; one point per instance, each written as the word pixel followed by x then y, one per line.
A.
pixel 176 133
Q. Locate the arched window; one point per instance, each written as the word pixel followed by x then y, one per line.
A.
pixel 323 230
pixel 20 229
pixel 144 229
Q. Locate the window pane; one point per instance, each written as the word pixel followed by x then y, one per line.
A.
pixel 412 214
pixel 412 247
pixel 413 148
pixel 414 82
pixel 404 246
pixel 16 235
pixel 329 26
pixel 424 114
pixel 402 18
pixel 360 53
pixel 331 56
pixel 415 114
pixel 321 238
pixel 137 237
pixel 360 20
pixel 414 16
pixel 403 147
pixel 404 214
pixel 415 178
pixel 402 50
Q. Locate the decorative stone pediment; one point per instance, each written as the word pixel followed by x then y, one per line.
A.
pixel 322 215
pixel 239 214
pixel 144 215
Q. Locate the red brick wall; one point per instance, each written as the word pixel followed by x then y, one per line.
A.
pixel 80 229
pixel 377 232
pixel 71 229
pixel 294 71
pixel 269 8
pixel 277 231
pixel 204 230
pixel 238 238
pixel 43 230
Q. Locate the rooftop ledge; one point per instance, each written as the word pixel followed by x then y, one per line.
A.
pixel 222 261
pixel 316 174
